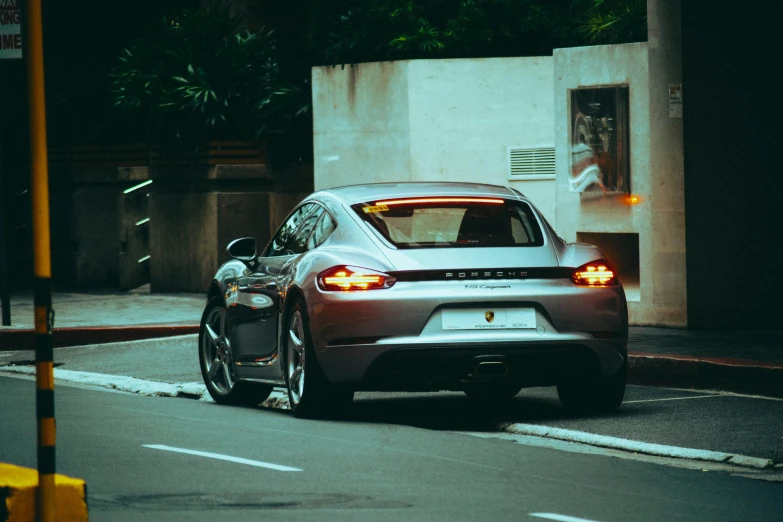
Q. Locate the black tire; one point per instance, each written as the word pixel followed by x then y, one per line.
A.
pixel 310 393
pixel 216 362
pixel 497 392
pixel 595 394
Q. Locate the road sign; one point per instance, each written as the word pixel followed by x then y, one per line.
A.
pixel 10 29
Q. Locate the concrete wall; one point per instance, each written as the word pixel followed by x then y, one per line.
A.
pixel 655 169
pixel 432 120
pixel 360 124
pixel 86 227
pixel 183 241
pixel 190 233
pixel 455 119
pixel 196 211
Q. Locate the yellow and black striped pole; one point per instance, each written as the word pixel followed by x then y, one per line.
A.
pixel 44 316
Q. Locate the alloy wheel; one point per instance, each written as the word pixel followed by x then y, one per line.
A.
pixel 217 352
pixel 296 357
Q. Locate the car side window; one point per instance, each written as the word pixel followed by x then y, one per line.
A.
pixel 277 247
pixel 323 230
pixel 298 242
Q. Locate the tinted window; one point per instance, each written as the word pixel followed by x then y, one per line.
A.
pixel 323 230
pixel 298 243
pixel 445 223
pixel 287 230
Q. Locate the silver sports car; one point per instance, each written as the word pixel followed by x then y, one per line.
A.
pixel 418 287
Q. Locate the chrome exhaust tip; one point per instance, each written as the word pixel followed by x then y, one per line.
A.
pixel 493 368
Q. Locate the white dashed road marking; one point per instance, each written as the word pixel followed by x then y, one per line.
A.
pixel 561 518
pixel 218 456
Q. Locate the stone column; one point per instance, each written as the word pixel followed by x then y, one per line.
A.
pixel 667 185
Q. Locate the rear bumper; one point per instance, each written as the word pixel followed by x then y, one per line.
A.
pixel 395 338
pixel 449 366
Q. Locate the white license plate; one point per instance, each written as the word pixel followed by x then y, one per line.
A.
pixel 488 319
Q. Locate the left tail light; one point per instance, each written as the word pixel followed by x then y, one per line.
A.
pixel 595 273
pixel 351 278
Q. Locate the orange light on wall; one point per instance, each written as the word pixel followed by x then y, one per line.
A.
pixel 633 199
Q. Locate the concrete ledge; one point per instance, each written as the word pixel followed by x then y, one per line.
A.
pixel 735 375
pixel 15 340
pixel 17 495
pixel 647 448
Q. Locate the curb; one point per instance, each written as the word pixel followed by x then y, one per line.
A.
pixel 17 495
pixel 682 371
pixel 647 448
pixel 278 399
pixel 17 340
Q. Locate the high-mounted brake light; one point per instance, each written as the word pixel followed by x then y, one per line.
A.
pixel 595 273
pixel 415 201
pixel 347 278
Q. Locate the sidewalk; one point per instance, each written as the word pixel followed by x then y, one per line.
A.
pixel 91 318
pixel 738 361
pixel 741 361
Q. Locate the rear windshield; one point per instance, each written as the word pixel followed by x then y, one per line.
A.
pixel 453 222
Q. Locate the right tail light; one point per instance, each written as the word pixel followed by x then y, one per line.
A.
pixel 595 273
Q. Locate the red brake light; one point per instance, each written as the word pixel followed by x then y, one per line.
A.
pixel 351 278
pixel 416 201
pixel 595 273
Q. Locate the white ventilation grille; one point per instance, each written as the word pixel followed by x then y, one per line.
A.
pixel 533 163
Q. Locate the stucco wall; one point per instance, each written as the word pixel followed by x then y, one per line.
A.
pixel 360 124
pixel 655 174
pixel 428 120
pixel 464 114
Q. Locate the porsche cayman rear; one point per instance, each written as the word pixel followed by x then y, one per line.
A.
pixel 466 287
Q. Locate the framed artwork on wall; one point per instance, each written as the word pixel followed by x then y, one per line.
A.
pixel 599 128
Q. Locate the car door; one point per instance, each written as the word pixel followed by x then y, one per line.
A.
pixel 254 309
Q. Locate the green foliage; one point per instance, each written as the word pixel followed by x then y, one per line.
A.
pixel 198 77
pixel 195 75
pixel 348 31
pixel 615 21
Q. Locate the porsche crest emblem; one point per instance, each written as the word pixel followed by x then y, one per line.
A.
pixel 489 316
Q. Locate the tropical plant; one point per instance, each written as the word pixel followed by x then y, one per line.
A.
pixel 615 21
pixel 198 76
pixel 349 31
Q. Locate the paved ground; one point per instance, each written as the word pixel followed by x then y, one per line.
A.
pixel 137 455
pixel 73 310
pixel 173 359
pixel 762 346
pixel 691 419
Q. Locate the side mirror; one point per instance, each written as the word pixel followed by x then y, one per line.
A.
pixel 243 249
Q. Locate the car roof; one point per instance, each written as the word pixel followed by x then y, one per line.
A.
pixel 363 193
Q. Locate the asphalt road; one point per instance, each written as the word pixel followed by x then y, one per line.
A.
pixel 691 419
pixel 366 468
